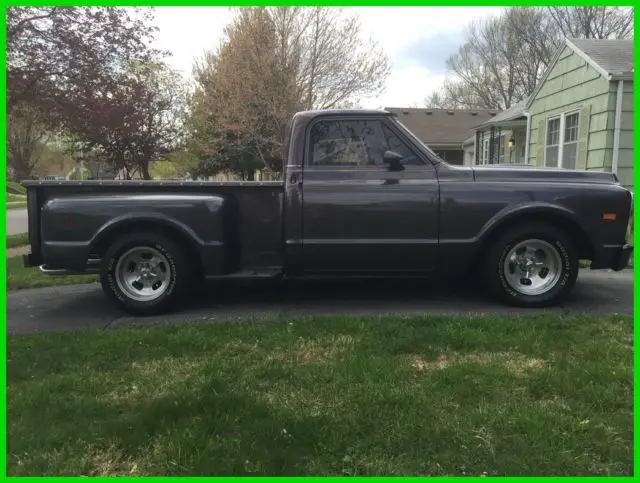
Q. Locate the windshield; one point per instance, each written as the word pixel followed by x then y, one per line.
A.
pixel 408 132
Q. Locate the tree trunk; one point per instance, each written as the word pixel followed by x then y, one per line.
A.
pixel 144 167
pixel 20 172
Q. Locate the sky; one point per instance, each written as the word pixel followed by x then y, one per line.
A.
pixel 417 40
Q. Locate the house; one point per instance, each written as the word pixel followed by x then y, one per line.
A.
pixel 443 130
pixel 579 116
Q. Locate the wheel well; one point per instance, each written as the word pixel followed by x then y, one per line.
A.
pixel 567 225
pixel 174 234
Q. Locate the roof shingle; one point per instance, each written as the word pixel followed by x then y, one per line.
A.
pixel 615 56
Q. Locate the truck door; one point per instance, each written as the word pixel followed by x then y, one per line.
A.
pixel 364 211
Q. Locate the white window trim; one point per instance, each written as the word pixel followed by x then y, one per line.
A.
pixel 484 155
pixel 562 116
pixel 546 138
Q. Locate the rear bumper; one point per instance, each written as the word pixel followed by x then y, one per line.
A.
pixel 614 257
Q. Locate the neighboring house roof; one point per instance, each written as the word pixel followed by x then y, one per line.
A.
pixel 514 112
pixel 612 58
pixel 442 126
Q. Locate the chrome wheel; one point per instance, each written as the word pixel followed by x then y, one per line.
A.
pixel 532 267
pixel 143 274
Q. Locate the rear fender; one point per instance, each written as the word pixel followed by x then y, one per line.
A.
pixel 196 221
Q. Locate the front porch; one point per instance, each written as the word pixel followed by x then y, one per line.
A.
pixel 503 138
pixel 504 143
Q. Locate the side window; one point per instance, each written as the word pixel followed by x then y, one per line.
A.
pixel 346 143
pixel 394 143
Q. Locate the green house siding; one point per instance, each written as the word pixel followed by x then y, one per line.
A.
pixel 574 85
pixel 625 156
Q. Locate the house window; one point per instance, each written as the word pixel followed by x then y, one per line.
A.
pixel 570 145
pixel 553 141
pixel 561 141
pixel 485 151
pixel 501 149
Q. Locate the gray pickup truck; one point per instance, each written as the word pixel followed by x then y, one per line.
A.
pixel 361 197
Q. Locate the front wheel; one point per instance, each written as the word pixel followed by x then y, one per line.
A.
pixel 145 273
pixel 532 266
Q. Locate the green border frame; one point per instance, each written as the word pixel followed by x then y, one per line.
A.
pixel 233 3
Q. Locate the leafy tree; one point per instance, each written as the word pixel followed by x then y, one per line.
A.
pixel 272 63
pixel 177 165
pixel 133 121
pixel 52 51
pixel 27 137
pixel 55 157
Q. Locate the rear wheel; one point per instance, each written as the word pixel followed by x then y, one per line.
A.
pixel 532 265
pixel 145 273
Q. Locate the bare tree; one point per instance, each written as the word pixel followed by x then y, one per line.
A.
pixel 335 62
pixel 489 68
pixel 593 22
pixel 503 58
pixel 453 95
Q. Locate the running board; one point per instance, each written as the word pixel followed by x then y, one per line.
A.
pixel 93 267
pixel 267 273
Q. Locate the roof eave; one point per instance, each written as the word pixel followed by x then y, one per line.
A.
pixel 587 58
pixel 624 76
pixel 445 145
pixel 544 77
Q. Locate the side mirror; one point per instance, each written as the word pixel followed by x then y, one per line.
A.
pixel 393 159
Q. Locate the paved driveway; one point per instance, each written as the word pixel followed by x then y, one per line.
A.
pixel 84 306
pixel 17 221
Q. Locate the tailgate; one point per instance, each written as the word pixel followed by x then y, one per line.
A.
pixel 34 201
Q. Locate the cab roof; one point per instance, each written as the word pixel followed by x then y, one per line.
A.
pixel 342 112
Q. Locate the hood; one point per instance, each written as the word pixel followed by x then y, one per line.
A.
pixel 515 172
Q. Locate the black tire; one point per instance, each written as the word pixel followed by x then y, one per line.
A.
pixel 179 276
pixel 499 249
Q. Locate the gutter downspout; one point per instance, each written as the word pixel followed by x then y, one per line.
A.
pixel 526 138
pixel 616 128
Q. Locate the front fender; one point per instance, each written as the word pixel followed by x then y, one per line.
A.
pixel 510 214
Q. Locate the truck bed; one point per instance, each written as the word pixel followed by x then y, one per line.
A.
pixel 250 219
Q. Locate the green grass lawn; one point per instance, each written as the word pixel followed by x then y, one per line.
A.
pixel 16 188
pixel 17 240
pixel 17 205
pixel 12 197
pixel 543 395
pixel 19 277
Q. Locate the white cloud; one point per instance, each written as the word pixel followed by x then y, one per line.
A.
pixel 188 31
